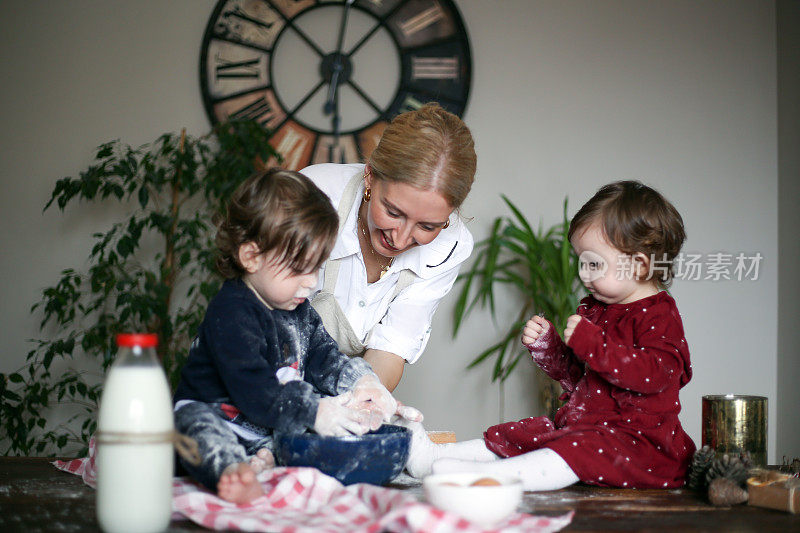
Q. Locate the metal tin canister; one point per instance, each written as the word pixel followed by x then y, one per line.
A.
pixel 735 423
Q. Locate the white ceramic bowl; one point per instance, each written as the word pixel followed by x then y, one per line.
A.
pixel 484 505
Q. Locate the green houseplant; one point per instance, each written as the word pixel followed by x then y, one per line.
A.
pixel 538 264
pixel 152 270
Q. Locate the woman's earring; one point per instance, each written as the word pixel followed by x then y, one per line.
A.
pixel 367 194
pixel 446 224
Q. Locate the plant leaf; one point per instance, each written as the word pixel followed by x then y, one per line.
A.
pixel 127 285
pixel 539 264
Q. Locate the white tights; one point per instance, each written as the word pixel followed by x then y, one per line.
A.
pixel 542 469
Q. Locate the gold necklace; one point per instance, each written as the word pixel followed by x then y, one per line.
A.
pixel 384 269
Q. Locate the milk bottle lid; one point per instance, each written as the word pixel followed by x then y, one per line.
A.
pixel 145 340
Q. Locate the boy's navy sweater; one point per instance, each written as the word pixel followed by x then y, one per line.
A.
pixel 241 346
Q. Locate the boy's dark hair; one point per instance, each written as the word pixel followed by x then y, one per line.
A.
pixel 282 212
pixel 636 218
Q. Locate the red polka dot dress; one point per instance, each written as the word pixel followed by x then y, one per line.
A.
pixel 621 374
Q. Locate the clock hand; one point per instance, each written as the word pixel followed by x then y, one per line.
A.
pixel 343 25
pixel 332 101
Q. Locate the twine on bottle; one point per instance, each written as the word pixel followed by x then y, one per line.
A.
pixel 184 445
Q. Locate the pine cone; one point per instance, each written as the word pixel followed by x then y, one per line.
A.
pixel 701 462
pixel 734 467
pixel 724 492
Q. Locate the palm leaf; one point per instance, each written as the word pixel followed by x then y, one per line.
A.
pixel 538 263
pixel 461 303
pixel 518 214
pixel 484 354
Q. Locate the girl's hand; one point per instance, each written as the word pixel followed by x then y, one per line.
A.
pixel 572 323
pixel 534 328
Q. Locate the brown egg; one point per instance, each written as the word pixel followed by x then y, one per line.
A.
pixel 450 484
pixel 485 482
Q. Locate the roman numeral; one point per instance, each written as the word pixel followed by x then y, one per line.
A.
pixel 292 147
pixel 259 110
pixel 335 154
pixel 252 23
pixel 247 68
pixel 439 68
pixel 241 14
pixel 422 20
pixel 260 106
pixel 332 150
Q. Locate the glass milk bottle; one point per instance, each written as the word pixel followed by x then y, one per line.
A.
pixel 134 441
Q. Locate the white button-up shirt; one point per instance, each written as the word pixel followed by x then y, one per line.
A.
pixel 401 326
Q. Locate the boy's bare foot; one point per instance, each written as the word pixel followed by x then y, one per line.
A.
pixel 262 460
pixel 238 484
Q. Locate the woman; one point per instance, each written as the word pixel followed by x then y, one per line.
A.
pixel 401 241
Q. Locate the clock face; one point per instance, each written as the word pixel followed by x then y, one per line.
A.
pixel 327 76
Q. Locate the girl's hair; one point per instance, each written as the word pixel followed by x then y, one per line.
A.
pixel 636 218
pixel 282 212
pixel 430 149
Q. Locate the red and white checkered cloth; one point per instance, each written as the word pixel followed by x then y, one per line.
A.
pixel 300 500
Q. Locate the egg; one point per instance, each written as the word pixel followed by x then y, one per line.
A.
pixel 485 482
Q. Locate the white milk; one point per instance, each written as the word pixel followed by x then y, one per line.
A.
pixel 134 481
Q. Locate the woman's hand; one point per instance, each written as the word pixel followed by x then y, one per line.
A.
pixel 572 323
pixel 535 328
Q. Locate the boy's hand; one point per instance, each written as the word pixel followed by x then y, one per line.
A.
pixel 536 327
pixel 370 394
pixel 335 418
pixel 572 323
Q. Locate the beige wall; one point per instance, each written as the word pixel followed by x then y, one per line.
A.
pixel 567 96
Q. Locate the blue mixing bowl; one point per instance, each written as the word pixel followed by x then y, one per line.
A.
pixel 376 457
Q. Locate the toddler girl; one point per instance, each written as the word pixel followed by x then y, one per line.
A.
pixel 621 363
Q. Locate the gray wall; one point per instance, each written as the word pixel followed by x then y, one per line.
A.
pixel 567 95
pixel 788 15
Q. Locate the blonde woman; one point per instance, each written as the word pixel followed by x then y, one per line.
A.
pixel 401 241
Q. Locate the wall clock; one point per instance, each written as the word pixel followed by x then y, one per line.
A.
pixel 326 76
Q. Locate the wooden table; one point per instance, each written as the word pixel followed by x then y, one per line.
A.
pixel 34 496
